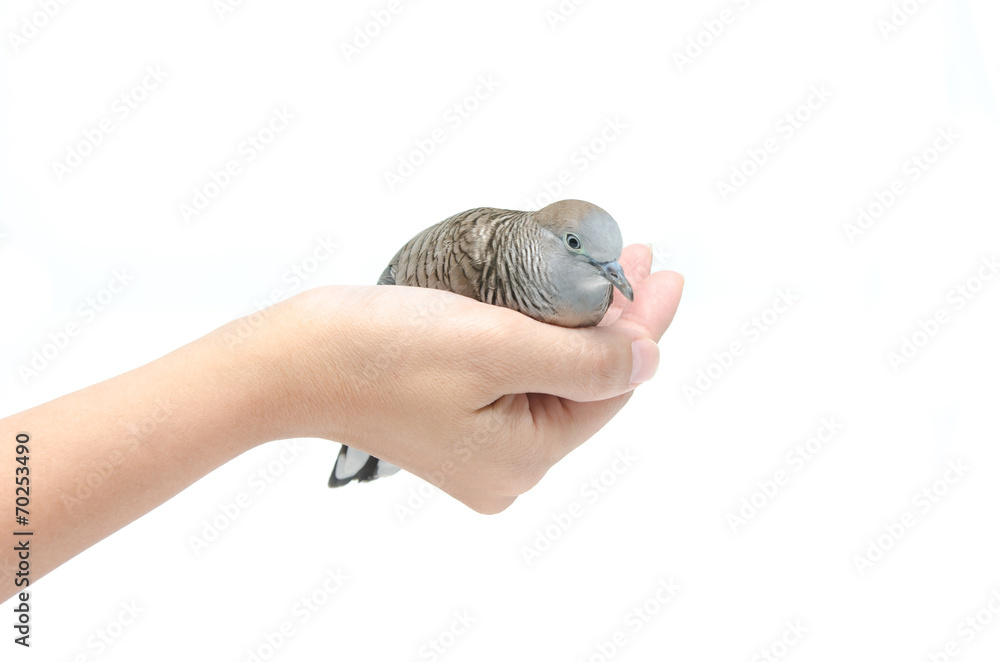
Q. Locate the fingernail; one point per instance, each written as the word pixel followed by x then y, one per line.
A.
pixel 645 359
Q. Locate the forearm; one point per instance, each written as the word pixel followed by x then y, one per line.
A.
pixel 105 455
pixel 430 381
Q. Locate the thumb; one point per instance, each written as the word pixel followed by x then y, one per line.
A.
pixel 582 364
pixel 595 363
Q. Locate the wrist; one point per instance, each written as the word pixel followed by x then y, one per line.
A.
pixel 283 360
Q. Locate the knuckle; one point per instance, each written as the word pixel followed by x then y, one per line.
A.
pixel 515 484
pixel 519 467
pixel 524 472
pixel 602 361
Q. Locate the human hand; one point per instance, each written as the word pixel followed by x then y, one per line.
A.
pixel 477 399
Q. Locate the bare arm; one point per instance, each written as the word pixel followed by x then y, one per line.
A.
pixel 353 364
pixel 105 455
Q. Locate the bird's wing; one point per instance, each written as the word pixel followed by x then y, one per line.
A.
pixel 388 276
pixel 447 256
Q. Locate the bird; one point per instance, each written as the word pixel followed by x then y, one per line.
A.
pixel 558 265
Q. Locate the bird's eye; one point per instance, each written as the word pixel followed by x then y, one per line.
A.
pixel 573 242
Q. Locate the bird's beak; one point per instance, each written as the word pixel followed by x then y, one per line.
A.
pixel 616 275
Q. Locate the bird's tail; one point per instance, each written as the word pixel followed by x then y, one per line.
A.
pixel 356 465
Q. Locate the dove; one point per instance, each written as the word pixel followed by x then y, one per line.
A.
pixel 557 265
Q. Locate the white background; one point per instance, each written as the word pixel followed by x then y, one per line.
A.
pixel 668 516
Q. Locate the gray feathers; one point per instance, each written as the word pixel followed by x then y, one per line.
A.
pixel 557 265
pixel 518 260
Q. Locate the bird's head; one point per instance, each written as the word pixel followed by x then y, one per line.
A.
pixel 591 242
